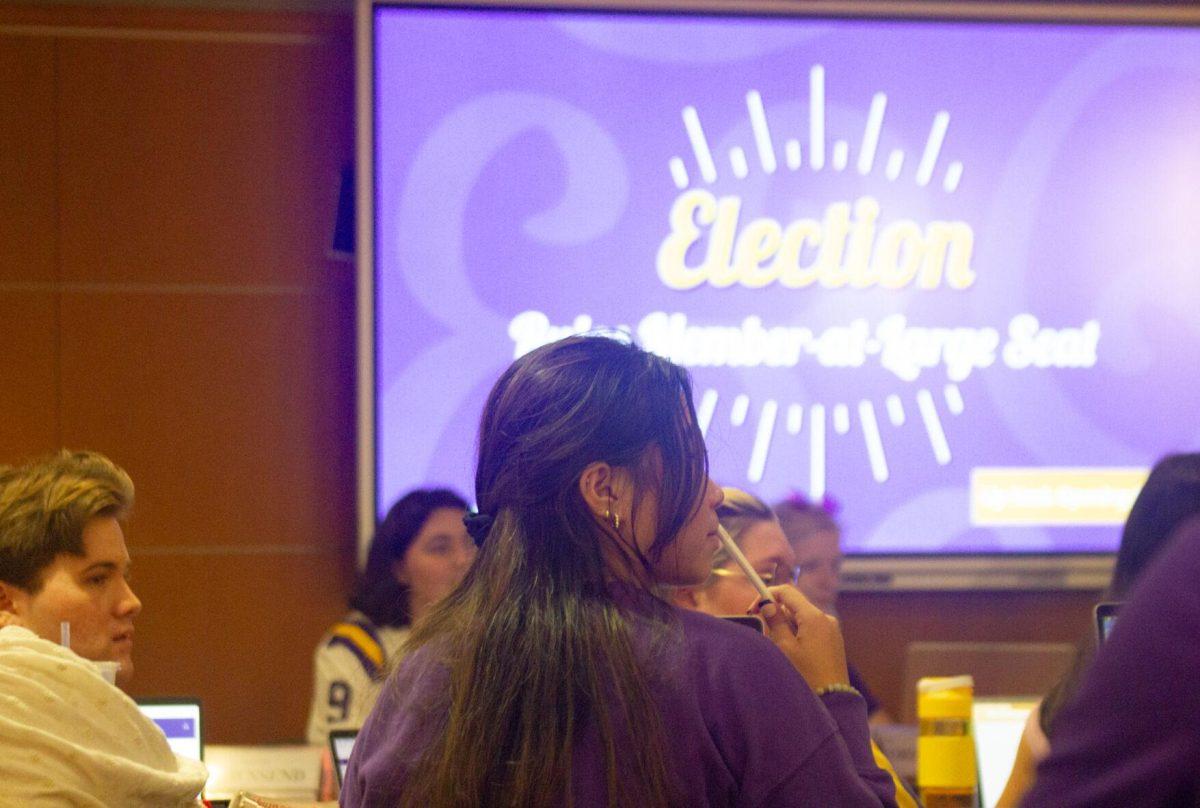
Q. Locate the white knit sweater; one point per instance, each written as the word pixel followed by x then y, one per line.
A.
pixel 69 738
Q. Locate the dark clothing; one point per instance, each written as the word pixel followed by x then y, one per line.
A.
pixel 742 729
pixel 1131 737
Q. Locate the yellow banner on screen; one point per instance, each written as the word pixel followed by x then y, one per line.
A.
pixel 1054 496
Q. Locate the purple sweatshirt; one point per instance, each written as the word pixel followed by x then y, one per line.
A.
pixel 742 728
pixel 1131 736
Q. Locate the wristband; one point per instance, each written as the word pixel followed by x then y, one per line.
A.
pixel 838 687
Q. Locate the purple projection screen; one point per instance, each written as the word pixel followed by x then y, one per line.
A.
pixel 945 272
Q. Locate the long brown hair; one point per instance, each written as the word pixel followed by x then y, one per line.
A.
pixel 536 647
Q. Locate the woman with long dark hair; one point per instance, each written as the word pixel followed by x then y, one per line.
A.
pixel 554 675
pixel 419 553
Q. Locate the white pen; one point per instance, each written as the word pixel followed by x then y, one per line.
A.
pixel 734 551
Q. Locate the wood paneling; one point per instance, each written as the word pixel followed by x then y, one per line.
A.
pixel 227 409
pixel 878 627
pixel 175 173
pixel 141 15
pixel 28 375
pixel 27 227
pixel 200 161
pixel 237 630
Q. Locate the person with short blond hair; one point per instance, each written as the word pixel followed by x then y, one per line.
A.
pixel 752 525
pixel 68 736
pixel 63 557
pixel 45 505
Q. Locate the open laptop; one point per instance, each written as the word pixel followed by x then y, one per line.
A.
pixel 341 742
pixel 179 720
pixel 998 724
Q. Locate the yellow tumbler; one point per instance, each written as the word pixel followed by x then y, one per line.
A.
pixel 946 768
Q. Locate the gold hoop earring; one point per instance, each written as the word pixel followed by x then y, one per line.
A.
pixel 615 518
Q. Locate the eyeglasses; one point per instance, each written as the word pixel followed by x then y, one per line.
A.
pixel 776 575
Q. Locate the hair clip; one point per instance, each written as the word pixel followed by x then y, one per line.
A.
pixel 828 503
pixel 797 499
pixel 478 525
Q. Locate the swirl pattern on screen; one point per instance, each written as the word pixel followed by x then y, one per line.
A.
pixel 942 271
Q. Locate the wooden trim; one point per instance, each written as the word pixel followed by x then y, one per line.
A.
pixel 968 10
pixel 302 23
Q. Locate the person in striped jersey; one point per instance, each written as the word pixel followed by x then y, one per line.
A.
pixel 419 553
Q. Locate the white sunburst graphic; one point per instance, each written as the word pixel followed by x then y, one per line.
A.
pixel 794 152
pixel 816 419
pixel 842 418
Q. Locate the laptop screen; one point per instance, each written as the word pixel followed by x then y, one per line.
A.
pixel 1106 618
pixel 341 742
pixel 998 725
pixel 179 720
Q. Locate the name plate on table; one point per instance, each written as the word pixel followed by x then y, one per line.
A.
pixel 284 772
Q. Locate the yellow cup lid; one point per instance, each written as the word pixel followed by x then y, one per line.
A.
pixel 936 684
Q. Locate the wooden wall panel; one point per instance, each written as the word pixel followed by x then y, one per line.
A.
pixel 212 161
pixel 27 227
pixel 237 630
pixel 179 313
pixel 28 374
pixel 213 402
pixel 879 626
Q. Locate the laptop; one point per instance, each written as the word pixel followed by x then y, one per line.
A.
pixel 179 720
pixel 998 724
pixel 341 742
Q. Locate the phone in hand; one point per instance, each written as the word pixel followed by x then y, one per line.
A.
pixel 750 621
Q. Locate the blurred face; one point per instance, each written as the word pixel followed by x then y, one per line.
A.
pixel 688 559
pixel 436 560
pixel 730 592
pixel 818 564
pixel 92 593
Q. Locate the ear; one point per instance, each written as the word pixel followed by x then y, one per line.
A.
pixel 9 597
pixel 684 597
pixel 605 488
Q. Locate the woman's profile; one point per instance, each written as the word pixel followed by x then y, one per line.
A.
pixel 418 554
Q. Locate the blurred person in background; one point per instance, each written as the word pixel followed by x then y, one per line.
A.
pixel 756 531
pixel 1169 497
pixel 419 553
pixel 812 531
pixel 1131 734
